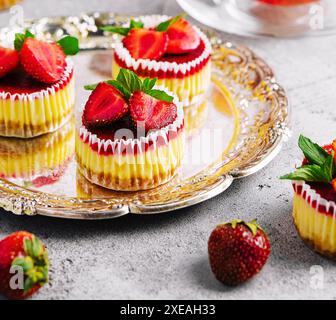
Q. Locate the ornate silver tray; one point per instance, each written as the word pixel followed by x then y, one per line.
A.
pixel 238 130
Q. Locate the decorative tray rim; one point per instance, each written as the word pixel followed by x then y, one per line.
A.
pixel 22 201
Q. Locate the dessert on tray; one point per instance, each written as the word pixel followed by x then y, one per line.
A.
pixel 38 161
pixel 172 50
pixel 132 134
pixel 314 184
pixel 36 85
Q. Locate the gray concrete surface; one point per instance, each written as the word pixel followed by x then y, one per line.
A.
pixel 165 256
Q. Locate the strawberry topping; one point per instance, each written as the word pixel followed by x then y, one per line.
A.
pixel 43 61
pixel 150 112
pixel 105 105
pixel 9 60
pixel 183 37
pixel 146 44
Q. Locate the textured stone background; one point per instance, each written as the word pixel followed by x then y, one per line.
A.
pixel 165 256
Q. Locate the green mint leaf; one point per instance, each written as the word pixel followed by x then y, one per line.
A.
pixel 160 95
pixel 120 87
pixel 164 26
pixel 312 151
pixel 309 173
pixel 122 30
pixel 91 87
pixel 114 83
pixel 69 45
pixel 328 167
pixel 129 80
pixel 136 24
pixel 20 38
pixel 148 84
pixel 115 29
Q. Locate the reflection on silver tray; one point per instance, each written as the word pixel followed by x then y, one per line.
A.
pixel 245 105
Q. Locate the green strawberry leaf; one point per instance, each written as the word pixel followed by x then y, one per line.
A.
pixel 26 263
pixel 164 26
pixel 20 38
pixel 160 95
pixel 312 151
pixel 69 45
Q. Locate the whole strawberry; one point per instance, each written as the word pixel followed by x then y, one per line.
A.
pixel 237 251
pixel 24 265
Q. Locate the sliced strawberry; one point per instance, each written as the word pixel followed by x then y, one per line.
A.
pixel 43 61
pixel 105 105
pixel 150 112
pixel 183 37
pixel 334 184
pixel 9 60
pixel 146 44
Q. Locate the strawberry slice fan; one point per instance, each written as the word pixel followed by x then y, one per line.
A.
pixel 37 91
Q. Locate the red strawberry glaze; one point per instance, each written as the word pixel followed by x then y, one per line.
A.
pixel 109 133
pixel 324 190
pixel 178 58
pixel 19 82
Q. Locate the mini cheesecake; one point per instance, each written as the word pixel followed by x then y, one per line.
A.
pixel 37 92
pixel 314 209
pixel 179 55
pixel 39 160
pixel 133 142
pixel 30 108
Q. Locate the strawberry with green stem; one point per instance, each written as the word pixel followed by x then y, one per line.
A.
pixel 44 61
pixel 24 253
pixel 237 251
pixel 129 95
pixel 173 36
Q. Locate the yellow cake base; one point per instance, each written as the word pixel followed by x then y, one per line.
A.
pixel 30 115
pixel 317 229
pixel 29 158
pixel 131 172
pixel 190 89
